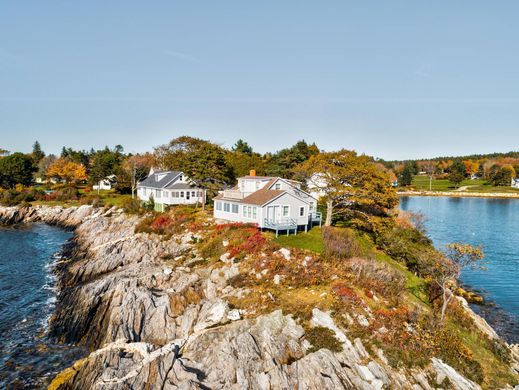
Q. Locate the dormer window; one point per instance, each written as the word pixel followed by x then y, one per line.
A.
pixel 160 176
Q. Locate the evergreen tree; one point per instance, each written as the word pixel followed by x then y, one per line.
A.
pixel 37 153
pixel 457 173
pixel 242 147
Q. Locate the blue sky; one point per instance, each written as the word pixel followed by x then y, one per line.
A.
pixel 394 79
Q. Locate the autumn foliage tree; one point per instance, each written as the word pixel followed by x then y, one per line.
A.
pixel 353 186
pixel 67 171
pixel 447 269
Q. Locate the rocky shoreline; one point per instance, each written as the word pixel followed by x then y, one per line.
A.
pixel 154 321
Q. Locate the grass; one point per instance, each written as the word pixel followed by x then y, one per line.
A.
pixel 313 240
pixel 421 183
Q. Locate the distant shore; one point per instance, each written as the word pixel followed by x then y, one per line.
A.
pixel 460 194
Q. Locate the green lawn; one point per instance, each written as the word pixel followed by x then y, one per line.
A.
pixel 421 183
pixel 313 240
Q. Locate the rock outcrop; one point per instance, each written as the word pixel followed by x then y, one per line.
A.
pixel 154 322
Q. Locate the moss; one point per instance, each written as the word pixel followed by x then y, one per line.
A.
pixel 65 376
pixel 321 337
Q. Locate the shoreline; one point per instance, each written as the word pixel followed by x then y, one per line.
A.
pixel 149 320
pixel 461 194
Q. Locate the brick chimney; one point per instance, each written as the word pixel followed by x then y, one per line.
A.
pixel 252 172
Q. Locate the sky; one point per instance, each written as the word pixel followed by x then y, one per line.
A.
pixel 392 79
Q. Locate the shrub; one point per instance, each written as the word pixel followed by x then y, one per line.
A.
pixel 20 196
pixel 340 243
pixel 378 276
pixel 321 337
pixel 94 200
pixel 346 294
pixel 131 206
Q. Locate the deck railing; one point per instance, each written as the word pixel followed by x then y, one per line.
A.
pixel 233 194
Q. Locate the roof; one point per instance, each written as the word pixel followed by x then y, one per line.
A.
pixel 259 197
pixel 151 181
pixel 181 186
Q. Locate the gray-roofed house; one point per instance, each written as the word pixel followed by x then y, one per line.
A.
pixel 169 188
pixel 270 202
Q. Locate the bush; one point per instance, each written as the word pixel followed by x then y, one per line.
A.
pixel 380 277
pixel 408 246
pixel 340 243
pixel 94 200
pixel 321 337
pixel 131 206
pixel 20 196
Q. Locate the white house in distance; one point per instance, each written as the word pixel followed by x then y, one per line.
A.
pixel 515 182
pixel 106 184
pixel 169 188
pixel 270 202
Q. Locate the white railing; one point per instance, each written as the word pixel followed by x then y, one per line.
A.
pixel 233 194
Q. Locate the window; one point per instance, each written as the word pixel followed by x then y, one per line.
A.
pixel 311 206
pixel 301 211
pixel 245 211
pixel 157 193
pixel 181 194
pixel 257 185
pixel 193 194
pixel 180 178
pixel 235 208
pixel 285 211
pixel 254 212
pixel 278 186
pixel 166 194
pixel 218 206
pixel 249 212
pixel 226 207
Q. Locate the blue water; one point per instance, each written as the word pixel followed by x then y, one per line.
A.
pixel 28 358
pixel 493 223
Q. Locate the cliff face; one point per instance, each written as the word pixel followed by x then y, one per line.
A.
pixel 153 323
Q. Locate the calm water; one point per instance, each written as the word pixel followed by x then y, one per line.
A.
pixel 493 223
pixel 28 359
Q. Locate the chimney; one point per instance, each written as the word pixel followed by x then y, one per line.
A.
pixel 252 172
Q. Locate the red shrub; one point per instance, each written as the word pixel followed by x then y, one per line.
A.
pixel 346 294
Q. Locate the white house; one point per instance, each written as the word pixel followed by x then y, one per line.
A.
pixel 515 182
pixel 105 184
pixel 169 188
pixel 270 202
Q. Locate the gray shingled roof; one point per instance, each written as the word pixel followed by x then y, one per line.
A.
pixel 151 181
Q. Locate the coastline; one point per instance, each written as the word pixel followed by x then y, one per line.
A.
pixel 461 194
pixel 151 322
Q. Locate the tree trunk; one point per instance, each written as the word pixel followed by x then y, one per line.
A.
pixel 329 211
pixel 447 296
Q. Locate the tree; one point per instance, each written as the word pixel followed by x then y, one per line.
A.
pixel 242 147
pixel 16 168
pixel 447 269
pixel 3 152
pixel 67 171
pixel 239 164
pixel 37 154
pixel 406 177
pixel 501 175
pixel 430 168
pixel 352 185
pixel 44 165
pixel 104 163
pixel 457 173
pixel 134 169
pixel 201 160
pixel 283 162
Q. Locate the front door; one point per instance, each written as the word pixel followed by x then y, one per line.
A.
pixel 273 213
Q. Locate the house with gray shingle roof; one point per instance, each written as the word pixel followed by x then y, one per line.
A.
pixel 169 188
pixel 270 202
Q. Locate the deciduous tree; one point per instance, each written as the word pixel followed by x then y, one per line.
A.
pixel 352 185
pixel 67 171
